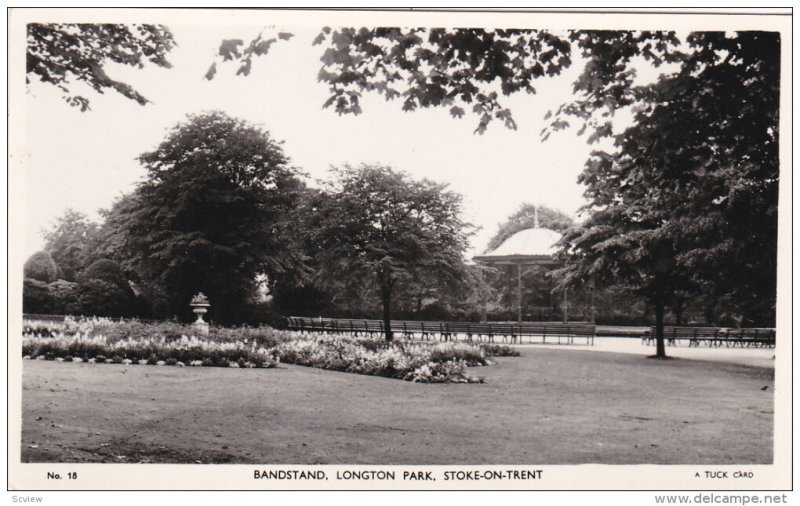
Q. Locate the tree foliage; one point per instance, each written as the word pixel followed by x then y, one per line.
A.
pixel 36 297
pixel 213 213
pixel 41 267
pixel 688 199
pixel 62 54
pixel 64 298
pixel 376 225
pixel 235 51
pixel 453 68
pixel 68 242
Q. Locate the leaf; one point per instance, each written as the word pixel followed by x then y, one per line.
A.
pixel 456 112
pixel 319 39
pixel 229 49
pixel 212 70
pixel 285 35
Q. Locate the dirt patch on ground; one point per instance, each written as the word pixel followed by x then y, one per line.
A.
pixel 546 407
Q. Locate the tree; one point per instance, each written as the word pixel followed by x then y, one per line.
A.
pixel 67 242
pixel 41 267
pixel 378 224
pixel 213 213
pixel 689 197
pixel 62 53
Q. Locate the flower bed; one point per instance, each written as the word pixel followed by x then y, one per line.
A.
pixel 438 364
pixel 106 341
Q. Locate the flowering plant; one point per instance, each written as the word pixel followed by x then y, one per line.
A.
pixel 199 300
pixel 168 343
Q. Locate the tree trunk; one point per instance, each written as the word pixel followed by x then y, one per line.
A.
pixel 386 296
pixel 659 306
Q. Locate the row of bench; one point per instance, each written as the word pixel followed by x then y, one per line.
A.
pixel 447 331
pixel 714 336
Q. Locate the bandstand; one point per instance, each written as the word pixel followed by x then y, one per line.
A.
pixel 530 247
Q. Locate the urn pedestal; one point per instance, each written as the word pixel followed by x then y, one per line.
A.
pixel 200 307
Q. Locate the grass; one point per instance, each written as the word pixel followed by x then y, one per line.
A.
pixel 545 407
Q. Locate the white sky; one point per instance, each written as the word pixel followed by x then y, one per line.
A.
pixel 84 160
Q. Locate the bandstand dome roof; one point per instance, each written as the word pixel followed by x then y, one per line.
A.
pixel 533 242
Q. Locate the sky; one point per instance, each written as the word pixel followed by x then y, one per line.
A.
pixel 84 160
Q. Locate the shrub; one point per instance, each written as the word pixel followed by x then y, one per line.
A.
pixel 499 350
pixel 103 298
pixel 469 354
pixel 106 270
pixel 41 267
pixel 36 297
pixel 65 297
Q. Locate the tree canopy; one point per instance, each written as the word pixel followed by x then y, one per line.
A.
pixel 213 213
pixel 68 242
pixel 375 223
pixel 63 53
pixel 688 199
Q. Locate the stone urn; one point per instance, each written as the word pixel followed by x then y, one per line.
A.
pixel 200 307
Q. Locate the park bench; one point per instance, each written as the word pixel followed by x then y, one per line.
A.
pixel 411 329
pixel 448 331
pixel 713 336
pixel 695 335
pixel 309 325
pixel 470 331
pixel 568 331
pixel 755 337
pixel 515 332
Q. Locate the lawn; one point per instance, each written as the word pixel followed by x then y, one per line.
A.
pixel 548 406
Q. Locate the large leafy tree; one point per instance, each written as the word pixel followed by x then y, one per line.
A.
pixel 213 213
pixel 688 199
pixel 62 54
pixel 378 224
pixel 68 242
